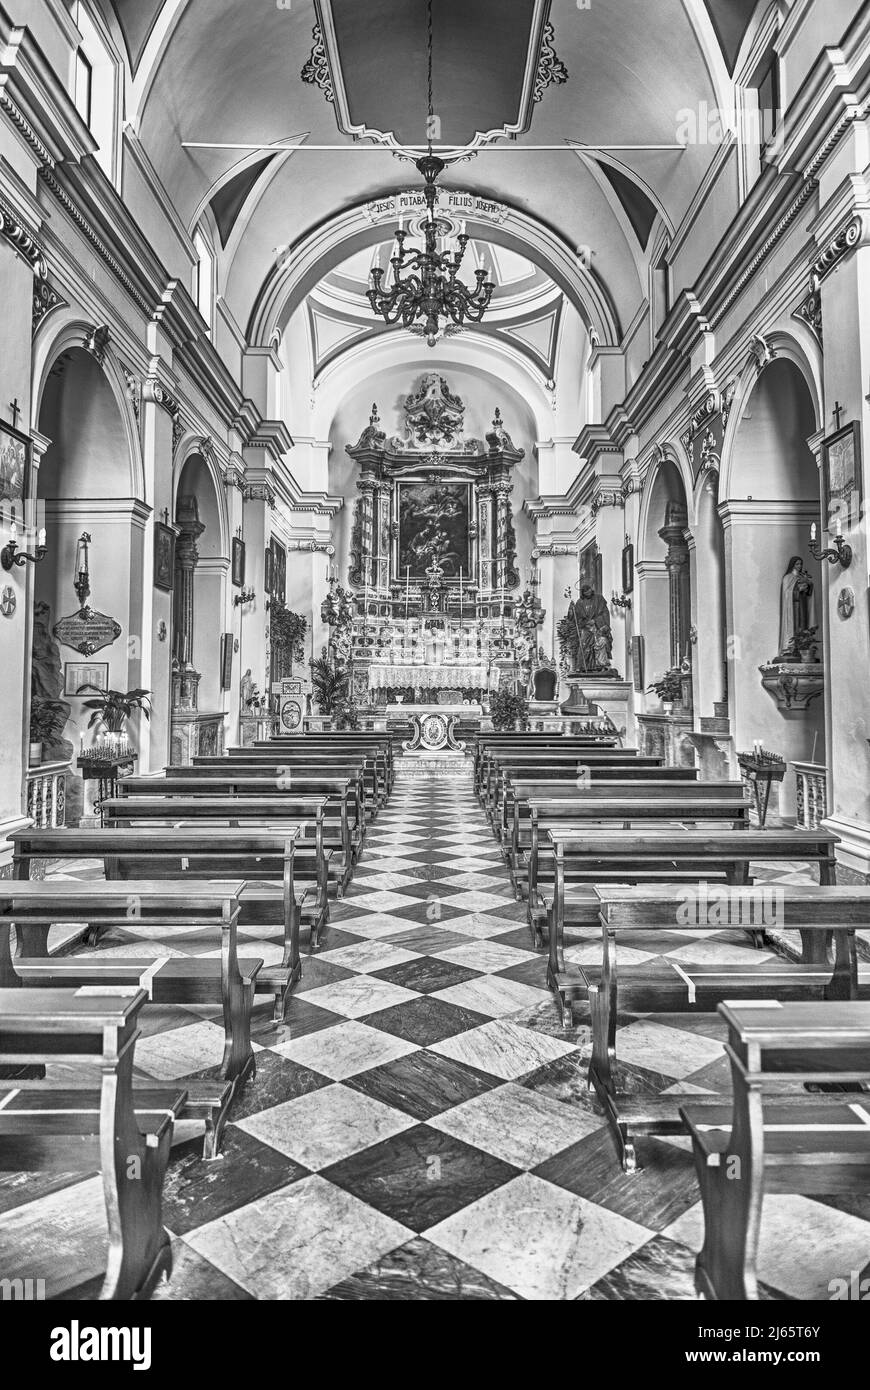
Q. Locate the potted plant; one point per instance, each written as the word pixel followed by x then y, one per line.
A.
pixel 329 684
pixel 804 645
pixel 47 722
pixel 669 688
pixel 508 710
pixel 112 709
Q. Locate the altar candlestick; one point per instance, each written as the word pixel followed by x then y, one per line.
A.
pixel 839 527
pixel 813 532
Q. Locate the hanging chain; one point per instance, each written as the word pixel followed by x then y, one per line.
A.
pixel 429 46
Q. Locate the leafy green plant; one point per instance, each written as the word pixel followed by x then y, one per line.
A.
pixel 670 686
pixel 329 684
pixel 507 708
pixel 48 720
pixel 112 708
pixel 287 631
pixel 805 639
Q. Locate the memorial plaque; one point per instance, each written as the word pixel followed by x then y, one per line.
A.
pixel 87 632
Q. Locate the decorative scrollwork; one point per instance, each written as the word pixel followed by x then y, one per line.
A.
pixel 316 70
pixel 551 69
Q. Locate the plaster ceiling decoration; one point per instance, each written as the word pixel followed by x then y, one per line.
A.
pixel 493 63
pixel 136 19
pixel 634 202
pixel 540 337
pixel 229 200
pixel 730 20
pixel 333 333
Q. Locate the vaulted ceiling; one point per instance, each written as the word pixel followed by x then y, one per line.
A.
pixel 346 81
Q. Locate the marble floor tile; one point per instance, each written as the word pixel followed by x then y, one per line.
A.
pixel 803 1246
pixel 61 1238
pixel 345 1050
pixel 660 1191
pixel 369 956
pixel 298 1242
pixel 426 974
pixel 318 971
pixel 485 956
pixel 473 901
pixel 491 995
pixel 516 1124
pixel 481 925
pixel 372 926
pixel 421 1176
pixel 359 995
pixel 425 1020
pixel 386 900
pixel 278 1079
pixel 195 1280
pixel 540 1241
pixel 418 1272
pixel 422 1083
pixel 325 1126
pixel 197 1191
pixel 181 1052
pixel 676 1055
pixel 503 1049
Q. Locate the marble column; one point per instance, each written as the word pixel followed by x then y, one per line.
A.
pixel 677 565
pixel 185 693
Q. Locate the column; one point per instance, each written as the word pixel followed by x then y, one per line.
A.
pixel 677 565
pixel 484 537
pixel 185 681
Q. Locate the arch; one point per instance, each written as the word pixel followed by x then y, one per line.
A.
pixel 71 334
pixel 328 245
pixel 204 469
pixel 672 464
pixel 197 625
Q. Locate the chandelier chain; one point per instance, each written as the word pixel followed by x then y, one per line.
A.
pixel 429 52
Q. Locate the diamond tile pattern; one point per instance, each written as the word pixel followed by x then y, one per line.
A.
pixel 420 1125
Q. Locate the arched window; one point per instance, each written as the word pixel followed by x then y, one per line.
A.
pixel 204 275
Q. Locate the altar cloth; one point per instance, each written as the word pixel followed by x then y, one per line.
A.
pixel 448 675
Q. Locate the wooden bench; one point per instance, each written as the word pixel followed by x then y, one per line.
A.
pixel 810 1143
pixel 584 858
pixel 264 858
pixel 517 786
pixel 33 908
pixel 566 757
pixel 625 804
pixel 817 913
pixel 561 768
pixel 107 1129
pixel 379 748
pixel 283 775
pixel 320 835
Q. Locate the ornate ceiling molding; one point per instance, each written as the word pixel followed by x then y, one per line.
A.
pixel 810 313
pixel 844 240
pixel 543 69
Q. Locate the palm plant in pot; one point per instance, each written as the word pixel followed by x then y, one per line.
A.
pixel 111 709
pixel 47 722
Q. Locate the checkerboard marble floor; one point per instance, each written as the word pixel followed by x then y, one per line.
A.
pixel 420 1127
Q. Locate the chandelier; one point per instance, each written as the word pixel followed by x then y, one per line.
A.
pixel 424 284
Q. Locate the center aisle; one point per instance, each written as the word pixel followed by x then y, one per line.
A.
pixel 442 1139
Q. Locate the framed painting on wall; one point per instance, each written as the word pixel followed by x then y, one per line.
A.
pixel 628 568
pixel 637 664
pixel 841 471
pixel 591 567
pixel 14 474
pixel 269 582
pixel 164 557
pixel 238 563
pixel 434 519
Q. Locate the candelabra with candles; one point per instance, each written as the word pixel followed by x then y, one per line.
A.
pixel 838 554
pixel 11 555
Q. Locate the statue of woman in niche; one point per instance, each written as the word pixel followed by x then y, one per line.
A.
pixel 797 605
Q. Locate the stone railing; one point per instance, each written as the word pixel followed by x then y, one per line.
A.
pixel 46 794
pixel 811 794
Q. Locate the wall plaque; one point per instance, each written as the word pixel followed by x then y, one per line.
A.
pixel 87 632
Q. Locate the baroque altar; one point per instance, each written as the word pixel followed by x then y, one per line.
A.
pixel 434 580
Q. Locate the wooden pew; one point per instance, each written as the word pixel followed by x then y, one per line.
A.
pixel 586 858
pixel 515 787
pixel 566 756
pixel 817 913
pixel 33 907
pixel 803 1143
pixel 101 1129
pixel 264 858
pixel 331 824
pixel 560 766
pixel 284 774
pixel 625 803
pixel 378 747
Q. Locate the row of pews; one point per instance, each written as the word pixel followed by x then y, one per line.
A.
pixel 606 843
pixel 266 836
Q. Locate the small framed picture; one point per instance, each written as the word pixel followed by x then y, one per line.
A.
pixel 637 655
pixel 227 661
pixel 628 568
pixel 841 468
pixel 79 673
pixel 269 570
pixel 164 557
pixel 14 474
pixel 238 567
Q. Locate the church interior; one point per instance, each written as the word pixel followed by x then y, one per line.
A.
pixel 435 743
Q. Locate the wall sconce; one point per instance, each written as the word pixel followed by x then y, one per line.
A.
pixel 841 554
pixel 244 596
pixel 620 601
pixel 11 555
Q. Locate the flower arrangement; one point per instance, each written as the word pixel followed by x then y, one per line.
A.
pixel 669 688
pixel 507 708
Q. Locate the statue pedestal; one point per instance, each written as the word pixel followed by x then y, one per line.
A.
pixel 610 694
